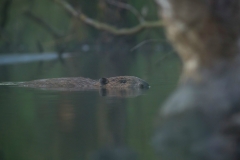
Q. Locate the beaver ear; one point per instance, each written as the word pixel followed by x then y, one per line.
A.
pixel 103 81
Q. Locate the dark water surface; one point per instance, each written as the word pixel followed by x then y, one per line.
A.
pixel 41 124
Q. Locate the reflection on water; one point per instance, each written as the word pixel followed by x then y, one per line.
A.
pixel 94 125
pixel 64 124
pixel 115 153
pixel 122 92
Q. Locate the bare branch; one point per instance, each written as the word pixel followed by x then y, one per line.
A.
pixel 105 27
pixel 127 7
pixel 144 42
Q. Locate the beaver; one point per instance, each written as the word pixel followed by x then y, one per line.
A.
pixel 115 86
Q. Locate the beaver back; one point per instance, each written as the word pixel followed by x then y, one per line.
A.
pixel 74 82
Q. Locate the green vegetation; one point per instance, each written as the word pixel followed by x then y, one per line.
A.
pixel 41 124
pixel 25 25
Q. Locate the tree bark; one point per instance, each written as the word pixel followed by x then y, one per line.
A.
pixel 204 32
pixel 201 119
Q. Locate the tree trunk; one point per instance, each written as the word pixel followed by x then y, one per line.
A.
pixel 201 119
pixel 204 32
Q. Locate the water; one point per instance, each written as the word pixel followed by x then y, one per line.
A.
pixel 42 124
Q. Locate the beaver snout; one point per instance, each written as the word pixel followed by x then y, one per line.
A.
pixel 144 85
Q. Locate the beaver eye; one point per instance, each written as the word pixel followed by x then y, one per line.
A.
pixel 122 81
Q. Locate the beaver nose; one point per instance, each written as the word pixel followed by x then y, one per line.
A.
pixel 144 85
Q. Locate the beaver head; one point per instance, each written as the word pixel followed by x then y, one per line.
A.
pixel 123 82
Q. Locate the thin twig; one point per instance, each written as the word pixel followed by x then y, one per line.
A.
pixel 144 42
pixel 165 56
pixel 105 27
pixel 127 7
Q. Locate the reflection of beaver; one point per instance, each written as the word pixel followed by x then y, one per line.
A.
pixel 121 82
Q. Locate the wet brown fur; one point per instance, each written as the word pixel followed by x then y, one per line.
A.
pixel 120 82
